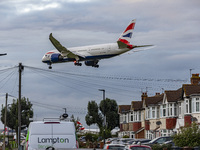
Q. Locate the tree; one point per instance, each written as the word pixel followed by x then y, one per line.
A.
pixel 188 136
pixel 106 107
pixel 93 116
pixel 110 108
pixel 12 114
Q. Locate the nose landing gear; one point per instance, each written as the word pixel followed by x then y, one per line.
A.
pixel 50 67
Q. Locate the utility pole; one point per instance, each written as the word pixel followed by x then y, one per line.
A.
pixel 5 123
pixel 21 68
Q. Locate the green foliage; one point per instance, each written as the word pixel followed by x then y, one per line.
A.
pixel 110 109
pixel 91 137
pixel 107 133
pixel 161 147
pixel 93 116
pixel 188 136
pixel 12 114
pixel 125 136
pixel 106 107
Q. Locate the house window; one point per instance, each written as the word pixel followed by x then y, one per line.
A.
pixel 157 115
pixel 161 110
pixel 179 109
pixel 131 116
pixel 135 116
pixel 139 118
pixel 175 110
pixel 153 112
pixel 164 110
pixel 147 113
pixel 121 118
pixel 170 110
pixel 188 106
pixel 197 104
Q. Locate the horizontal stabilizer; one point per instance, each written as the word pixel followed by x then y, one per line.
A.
pixel 135 46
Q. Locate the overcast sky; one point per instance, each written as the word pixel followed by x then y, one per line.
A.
pixel 172 26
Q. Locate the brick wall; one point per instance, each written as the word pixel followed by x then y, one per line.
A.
pixel 170 123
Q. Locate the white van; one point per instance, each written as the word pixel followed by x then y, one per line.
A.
pixel 51 134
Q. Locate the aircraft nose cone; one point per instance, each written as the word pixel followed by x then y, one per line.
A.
pixel 44 59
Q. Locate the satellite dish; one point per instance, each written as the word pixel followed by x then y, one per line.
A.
pixel 65 115
pixel 158 123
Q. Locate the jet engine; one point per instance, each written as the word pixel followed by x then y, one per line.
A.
pixel 56 58
pixel 93 63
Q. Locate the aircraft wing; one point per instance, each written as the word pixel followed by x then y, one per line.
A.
pixel 64 51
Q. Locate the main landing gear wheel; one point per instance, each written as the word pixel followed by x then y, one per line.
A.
pixel 77 64
pixel 96 66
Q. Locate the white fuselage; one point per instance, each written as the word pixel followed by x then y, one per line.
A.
pixel 100 51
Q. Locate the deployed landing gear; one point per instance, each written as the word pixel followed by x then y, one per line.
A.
pixel 50 67
pixel 77 63
pixel 96 66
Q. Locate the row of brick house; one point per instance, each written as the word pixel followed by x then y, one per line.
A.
pixel 162 114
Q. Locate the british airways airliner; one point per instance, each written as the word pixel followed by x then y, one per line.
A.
pixel 90 54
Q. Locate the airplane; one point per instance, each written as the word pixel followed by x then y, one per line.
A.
pixel 93 53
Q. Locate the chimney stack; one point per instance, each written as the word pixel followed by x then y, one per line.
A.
pixel 195 79
pixel 144 96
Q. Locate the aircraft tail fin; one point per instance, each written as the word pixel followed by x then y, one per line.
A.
pixel 125 37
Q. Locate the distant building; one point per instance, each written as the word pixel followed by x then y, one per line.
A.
pixel 162 114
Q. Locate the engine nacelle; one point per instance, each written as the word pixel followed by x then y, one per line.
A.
pixel 56 58
pixel 92 63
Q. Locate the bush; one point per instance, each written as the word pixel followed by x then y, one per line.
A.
pixel 161 147
pixel 188 136
pixel 125 136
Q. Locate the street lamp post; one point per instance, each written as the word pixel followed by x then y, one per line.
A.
pixel 104 119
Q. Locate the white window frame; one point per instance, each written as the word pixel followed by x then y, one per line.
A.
pixel 188 106
pixel 196 105
pixel 197 108
pixel 153 112
pixel 131 116
pixel 180 109
pixel 164 110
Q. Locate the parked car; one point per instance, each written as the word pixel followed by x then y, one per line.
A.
pixel 82 139
pixel 141 141
pixel 159 140
pixel 114 146
pixel 138 147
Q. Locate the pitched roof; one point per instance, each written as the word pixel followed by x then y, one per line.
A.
pixel 154 99
pixel 174 95
pixel 124 108
pixel 136 105
pixel 191 89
